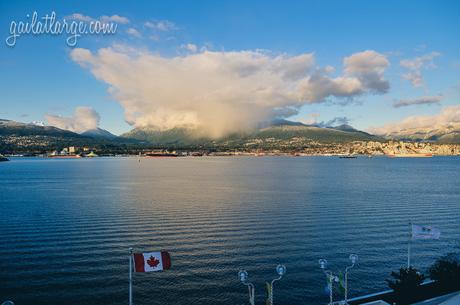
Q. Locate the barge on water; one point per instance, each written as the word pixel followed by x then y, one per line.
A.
pixel 3 159
pixel 161 154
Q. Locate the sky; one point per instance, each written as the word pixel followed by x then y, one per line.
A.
pixel 222 66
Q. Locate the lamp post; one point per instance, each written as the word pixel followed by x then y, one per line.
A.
pixel 243 276
pixel 331 278
pixel 353 259
pixel 281 270
pixel 130 296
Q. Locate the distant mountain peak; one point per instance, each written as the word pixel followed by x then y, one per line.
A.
pixel 98 133
pixel 38 123
pixel 279 122
pixel 345 127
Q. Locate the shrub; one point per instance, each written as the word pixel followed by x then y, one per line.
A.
pixel 446 271
pixel 406 284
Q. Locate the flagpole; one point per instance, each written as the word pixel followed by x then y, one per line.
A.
pixel 130 276
pixel 409 244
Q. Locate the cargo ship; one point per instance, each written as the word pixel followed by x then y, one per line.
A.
pixel 64 156
pixel 161 154
pixel 415 155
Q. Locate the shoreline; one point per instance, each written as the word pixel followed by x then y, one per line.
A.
pixel 248 155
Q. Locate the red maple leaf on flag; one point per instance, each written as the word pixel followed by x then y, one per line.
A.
pixel 153 262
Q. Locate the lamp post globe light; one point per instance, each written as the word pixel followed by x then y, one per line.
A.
pixel 354 258
pixel 281 270
pixel 322 263
pixel 8 303
pixel 243 277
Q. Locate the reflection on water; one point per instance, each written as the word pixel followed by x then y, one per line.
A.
pixel 66 225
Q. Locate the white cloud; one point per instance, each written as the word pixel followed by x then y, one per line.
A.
pixel 424 100
pixel 447 119
pixel 104 19
pixel 310 119
pixel 416 65
pixel 221 92
pixel 79 17
pixel 369 67
pixel 190 47
pixel 364 73
pixel 83 119
pixel 162 25
pixel 319 86
pixel 337 121
pixel 134 32
pixel 284 112
pixel 114 18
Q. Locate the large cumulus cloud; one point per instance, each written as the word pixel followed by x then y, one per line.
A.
pixel 222 92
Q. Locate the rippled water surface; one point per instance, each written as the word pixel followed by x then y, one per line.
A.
pixel 66 225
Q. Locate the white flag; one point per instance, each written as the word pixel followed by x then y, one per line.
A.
pixel 425 232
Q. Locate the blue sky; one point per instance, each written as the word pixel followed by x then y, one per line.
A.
pixel 40 77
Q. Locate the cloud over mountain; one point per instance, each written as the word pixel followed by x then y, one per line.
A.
pixel 448 119
pixel 220 92
pixel 83 119
pixel 337 121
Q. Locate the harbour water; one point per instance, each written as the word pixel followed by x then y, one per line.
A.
pixel 66 225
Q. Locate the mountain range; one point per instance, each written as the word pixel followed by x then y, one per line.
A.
pixel 17 136
pixel 274 134
pixel 447 134
pixel 8 127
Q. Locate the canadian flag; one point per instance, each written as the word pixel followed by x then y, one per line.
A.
pixel 152 261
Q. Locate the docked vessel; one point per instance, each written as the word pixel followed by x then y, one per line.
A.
pixel 419 155
pixel 348 157
pixel 161 154
pixel 64 156
pixel 91 155
pixel 3 159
